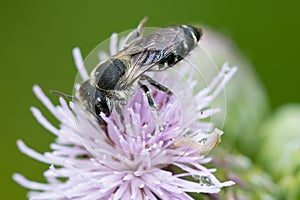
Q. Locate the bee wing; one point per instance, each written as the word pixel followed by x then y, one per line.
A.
pixel 148 52
pixel 136 70
pixel 157 40
pixel 142 63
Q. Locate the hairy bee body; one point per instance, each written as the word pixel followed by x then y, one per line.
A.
pixel 116 79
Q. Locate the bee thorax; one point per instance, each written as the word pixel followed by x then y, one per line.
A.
pixel 122 96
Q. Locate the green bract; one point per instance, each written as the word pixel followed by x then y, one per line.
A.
pixel 280 150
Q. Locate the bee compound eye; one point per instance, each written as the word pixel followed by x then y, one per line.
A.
pixel 97 107
pixel 100 104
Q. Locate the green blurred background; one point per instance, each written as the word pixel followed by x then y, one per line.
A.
pixel 37 37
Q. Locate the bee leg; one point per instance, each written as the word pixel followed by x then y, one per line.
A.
pixel 122 119
pixel 136 34
pixel 156 84
pixel 102 124
pixel 148 95
pixel 119 111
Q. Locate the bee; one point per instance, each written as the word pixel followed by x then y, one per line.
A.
pixel 114 80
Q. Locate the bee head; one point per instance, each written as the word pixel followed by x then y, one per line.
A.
pixel 102 103
pixel 94 100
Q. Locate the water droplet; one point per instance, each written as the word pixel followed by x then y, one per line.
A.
pixel 204 181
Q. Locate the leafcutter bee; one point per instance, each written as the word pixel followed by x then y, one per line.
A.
pixel 114 80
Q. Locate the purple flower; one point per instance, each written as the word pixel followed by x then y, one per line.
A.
pixel 154 154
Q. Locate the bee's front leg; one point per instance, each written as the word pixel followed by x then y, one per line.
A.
pixel 119 111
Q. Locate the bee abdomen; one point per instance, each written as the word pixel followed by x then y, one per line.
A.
pixel 186 43
pixel 191 32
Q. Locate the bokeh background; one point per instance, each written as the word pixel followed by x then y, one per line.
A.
pixel 37 38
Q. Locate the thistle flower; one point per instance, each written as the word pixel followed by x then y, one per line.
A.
pixel 152 154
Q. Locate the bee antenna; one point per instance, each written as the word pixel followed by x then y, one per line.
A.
pixel 63 95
